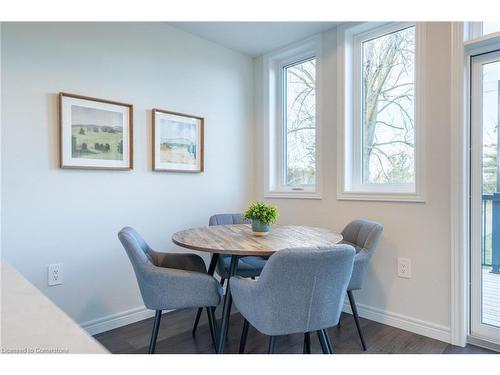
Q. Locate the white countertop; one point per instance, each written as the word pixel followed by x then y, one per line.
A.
pixel 31 323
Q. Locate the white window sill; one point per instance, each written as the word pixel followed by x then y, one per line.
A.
pixel 292 194
pixel 381 197
pixel 482 41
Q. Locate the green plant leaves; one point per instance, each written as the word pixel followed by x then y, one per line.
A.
pixel 261 211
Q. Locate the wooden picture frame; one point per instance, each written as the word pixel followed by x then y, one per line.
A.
pixel 95 133
pixel 178 142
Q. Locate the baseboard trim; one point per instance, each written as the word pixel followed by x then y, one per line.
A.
pixel 109 322
pixel 421 327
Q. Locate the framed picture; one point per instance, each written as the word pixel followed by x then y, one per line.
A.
pixel 177 142
pixel 95 133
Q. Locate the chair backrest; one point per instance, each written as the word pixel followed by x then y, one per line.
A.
pixel 136 247
pixel 362 234
pixel 140 255
pixel 227 219
pixel 304 288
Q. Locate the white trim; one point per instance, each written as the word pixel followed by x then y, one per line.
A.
pixel 292 195
pixel 407 323
pixel 375 197
pixel 482 44
pixel 346 155
pixel 473 34
pixel 460 173
pixel 272 63
pixel 459 189
pixel 418 326
pixel 483 343
pixel 477 328
pixel 109 322
pixel 472 30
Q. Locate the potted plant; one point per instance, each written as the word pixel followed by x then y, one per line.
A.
pixel 262 216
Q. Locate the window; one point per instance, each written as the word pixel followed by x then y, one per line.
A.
pixel 387 106
pixel 299 123
pixel 380 153
pixel 292 131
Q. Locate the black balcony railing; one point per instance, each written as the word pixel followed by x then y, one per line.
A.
pixel 490 247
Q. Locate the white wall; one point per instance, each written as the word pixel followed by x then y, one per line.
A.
pixel 414 230
pixel 73 216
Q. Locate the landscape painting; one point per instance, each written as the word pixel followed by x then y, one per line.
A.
pixel 178 142
pixel 95 133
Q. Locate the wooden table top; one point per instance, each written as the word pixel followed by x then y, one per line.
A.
pixel 239 239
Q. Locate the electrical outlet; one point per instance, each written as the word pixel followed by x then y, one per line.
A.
pixel 404 268
pixel 55 274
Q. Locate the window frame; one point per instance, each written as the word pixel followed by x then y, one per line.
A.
pixel 275 112
pixel 473 32
pixel 349 183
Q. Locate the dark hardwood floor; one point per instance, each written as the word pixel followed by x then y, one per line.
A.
pixel 175 338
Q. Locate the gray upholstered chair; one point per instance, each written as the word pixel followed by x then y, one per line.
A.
pixel 249 266
pixel 299 291
pixel 364 236
pixel 170 281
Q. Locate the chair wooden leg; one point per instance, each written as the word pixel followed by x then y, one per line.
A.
pixel 356 318
pixel 307 343
pixel 154 333
pixel 322 340
pixel 244 334
pixel 272 342
pixel 213 325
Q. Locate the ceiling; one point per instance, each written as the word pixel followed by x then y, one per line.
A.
pixel 254 38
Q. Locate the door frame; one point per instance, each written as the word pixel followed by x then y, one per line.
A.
pixel 477 329
pixel 461 52
pixel 459 188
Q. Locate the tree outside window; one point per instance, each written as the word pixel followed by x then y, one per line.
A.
pixel 388 108
pixel 300 123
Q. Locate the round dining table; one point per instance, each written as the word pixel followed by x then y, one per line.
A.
pixel 238 240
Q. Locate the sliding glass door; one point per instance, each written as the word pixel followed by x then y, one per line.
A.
pixel 485 197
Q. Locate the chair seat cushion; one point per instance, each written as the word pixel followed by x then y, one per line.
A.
pixel 244 269
pixel 256 262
